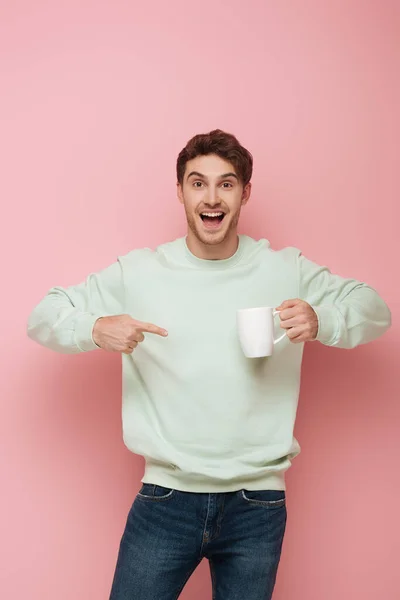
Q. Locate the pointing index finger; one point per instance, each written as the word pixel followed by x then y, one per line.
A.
pixel 150 328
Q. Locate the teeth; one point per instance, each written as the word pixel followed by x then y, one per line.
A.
pixel 212 214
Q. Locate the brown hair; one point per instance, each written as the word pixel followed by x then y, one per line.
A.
pixel 224 145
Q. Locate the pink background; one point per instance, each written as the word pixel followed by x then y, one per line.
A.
pixel 97 99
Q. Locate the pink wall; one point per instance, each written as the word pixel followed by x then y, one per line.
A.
pixel 97 99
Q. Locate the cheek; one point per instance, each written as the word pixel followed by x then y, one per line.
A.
pixel 192 200
pixel 234 203
pixel 190 205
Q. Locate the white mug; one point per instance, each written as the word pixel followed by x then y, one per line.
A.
pixel 256 331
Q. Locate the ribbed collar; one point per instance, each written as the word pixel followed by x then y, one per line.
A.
pixel 223 263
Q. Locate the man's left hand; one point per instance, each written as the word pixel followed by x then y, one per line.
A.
pixel 300 320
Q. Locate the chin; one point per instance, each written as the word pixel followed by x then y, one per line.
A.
pixel 212 238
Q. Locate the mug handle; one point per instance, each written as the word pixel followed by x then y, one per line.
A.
pixel 276 312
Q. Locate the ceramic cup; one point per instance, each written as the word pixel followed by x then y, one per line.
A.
pixel 256 331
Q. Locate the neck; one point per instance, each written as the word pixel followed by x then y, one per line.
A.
pixel 225 249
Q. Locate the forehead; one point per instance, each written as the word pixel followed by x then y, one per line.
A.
pixel 211 165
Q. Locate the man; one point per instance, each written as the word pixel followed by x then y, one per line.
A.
pixel 215 427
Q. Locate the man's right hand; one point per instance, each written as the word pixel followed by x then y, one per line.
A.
pixel 121 333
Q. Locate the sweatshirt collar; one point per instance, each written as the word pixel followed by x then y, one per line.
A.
pixel 216 263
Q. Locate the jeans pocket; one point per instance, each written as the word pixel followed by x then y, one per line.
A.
pixel 266 498
pixel 155 493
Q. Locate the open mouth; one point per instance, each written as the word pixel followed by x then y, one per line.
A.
pixel 212 220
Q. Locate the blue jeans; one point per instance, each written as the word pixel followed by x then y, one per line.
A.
pixel 169 532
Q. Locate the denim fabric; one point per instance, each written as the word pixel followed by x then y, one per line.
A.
pixel 168 533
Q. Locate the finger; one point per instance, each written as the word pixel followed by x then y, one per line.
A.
pixel 289 323
pixel 127 351
pixel 289 313
pixel 139 337
pixel 294 333
pixel 131 346
pixel 288 303
pixel 150 328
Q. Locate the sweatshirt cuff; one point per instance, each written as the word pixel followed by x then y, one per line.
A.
pixel 328 324
pixel 84 332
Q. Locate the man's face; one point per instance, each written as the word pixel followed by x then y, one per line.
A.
pixel 212 195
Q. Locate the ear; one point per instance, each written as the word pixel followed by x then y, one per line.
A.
pixel 246 193
pixel 179 192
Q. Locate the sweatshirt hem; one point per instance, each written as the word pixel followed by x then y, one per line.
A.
pixel 169 476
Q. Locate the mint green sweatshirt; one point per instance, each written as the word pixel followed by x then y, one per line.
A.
pixel 205 417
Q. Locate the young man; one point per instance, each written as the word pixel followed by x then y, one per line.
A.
pixel 215 427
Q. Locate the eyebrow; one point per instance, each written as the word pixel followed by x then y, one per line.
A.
pixel 224 176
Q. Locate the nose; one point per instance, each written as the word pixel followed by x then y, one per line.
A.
pixel 212 198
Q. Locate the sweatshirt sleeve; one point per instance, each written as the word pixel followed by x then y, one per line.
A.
pixel 63 320
pixel 349 312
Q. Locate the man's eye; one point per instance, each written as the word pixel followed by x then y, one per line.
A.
pixel 227 184
pixel 197 182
